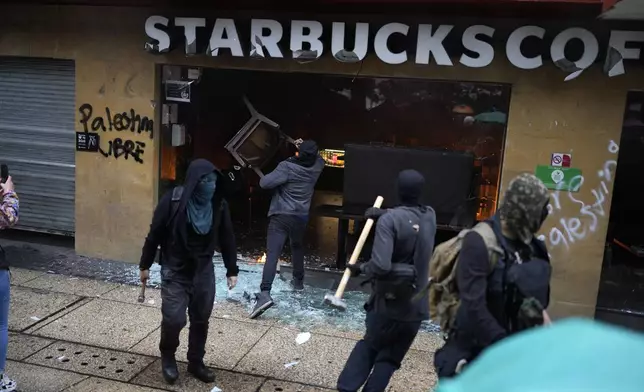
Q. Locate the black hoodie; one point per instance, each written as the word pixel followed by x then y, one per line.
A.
pixel 172 234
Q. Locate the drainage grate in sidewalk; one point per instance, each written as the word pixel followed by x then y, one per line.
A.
pixel 93 361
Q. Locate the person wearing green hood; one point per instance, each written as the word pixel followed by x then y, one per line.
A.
pixel 498 299
pixel 189 223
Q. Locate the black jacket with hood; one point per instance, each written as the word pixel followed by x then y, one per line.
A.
pixel 172 232
pixel 404 235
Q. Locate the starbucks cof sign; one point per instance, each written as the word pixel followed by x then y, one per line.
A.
pixel 267 36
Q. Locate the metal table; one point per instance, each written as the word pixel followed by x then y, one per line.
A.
pixel 344 214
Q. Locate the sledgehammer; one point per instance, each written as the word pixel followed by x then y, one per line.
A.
pixel 141 298
pixel 336 300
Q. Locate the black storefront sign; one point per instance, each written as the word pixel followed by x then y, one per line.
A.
pixel 86 141
pixel 177 90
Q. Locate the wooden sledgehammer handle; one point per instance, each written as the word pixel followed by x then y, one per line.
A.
pixel 356 251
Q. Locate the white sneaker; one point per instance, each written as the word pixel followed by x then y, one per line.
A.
pixel 7 384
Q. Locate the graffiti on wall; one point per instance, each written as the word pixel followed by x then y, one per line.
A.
pixel 568 230
pixel 124 148
pixel 121 146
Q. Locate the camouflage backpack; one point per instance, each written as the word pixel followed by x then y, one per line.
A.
pixel 443 292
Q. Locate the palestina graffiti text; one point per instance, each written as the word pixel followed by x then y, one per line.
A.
pixel 568 230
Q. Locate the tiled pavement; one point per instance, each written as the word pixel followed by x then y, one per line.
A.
pixel 79 335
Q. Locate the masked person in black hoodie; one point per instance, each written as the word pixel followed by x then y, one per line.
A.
pixel 398 269
pixel 188 223
pixel 293 182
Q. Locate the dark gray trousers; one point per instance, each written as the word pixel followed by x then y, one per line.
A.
pixel 378 355
pixel 281 227
pixel 179 294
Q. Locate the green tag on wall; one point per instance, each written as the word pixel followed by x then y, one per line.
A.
pixel 559 178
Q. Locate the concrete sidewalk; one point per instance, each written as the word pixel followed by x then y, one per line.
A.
pixel 82 335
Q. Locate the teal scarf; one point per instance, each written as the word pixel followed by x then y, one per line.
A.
pixel 199 206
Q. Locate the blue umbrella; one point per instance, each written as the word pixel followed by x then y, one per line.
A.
pixel 572 355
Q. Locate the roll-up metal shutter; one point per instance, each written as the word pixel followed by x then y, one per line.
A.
pixel 37 139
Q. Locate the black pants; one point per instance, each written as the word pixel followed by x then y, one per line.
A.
pixel 281 227
pixel 177 295
pixel 378 355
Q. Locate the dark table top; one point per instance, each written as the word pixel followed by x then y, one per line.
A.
pixel 356 212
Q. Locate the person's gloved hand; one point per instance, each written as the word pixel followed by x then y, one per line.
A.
pixel 374 213
pixel 355 269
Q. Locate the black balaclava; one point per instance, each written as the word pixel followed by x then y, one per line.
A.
pixel 410 187
pixel 308 153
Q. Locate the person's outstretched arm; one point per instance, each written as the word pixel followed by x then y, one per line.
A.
pixel 275 178
pixel 10 207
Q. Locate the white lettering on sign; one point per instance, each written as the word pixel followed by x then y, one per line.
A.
pixel 217 41
pixel 190 31
pixel 618 41
pixel 429 44
pixel 513 47
pixel 569 230
pixel 269 41
pixel 298 37
pixel 162 38
pixel 591 46
pixel 484 50
pixel 267 34
pixel 361 39
pixel 381 47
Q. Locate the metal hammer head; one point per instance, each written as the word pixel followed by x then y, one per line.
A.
pixel 335 302
pixel 142 295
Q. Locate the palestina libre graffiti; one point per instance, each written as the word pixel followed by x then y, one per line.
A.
pixel 567 231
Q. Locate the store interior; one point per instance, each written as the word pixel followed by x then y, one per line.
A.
pixel 621 292
pixel 205 108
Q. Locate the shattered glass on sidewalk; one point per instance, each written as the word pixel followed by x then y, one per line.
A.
pixel 302 309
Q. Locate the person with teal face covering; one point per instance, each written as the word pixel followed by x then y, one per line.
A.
pixel 200 204
pixel 189 223
pixel 571 355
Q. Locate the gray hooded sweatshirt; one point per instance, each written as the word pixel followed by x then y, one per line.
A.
pixel 293 182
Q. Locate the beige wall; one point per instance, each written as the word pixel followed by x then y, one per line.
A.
pixel 115 197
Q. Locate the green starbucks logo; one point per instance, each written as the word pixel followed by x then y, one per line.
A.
pixel 557 176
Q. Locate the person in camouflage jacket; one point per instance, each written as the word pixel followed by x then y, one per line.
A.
pixel 9 210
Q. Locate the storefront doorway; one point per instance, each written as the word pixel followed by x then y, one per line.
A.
pixel 621 291
pixel 334 111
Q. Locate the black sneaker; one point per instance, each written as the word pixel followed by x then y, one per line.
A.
pixel 262 304
pixel 297 284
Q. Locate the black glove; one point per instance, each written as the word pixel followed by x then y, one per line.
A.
pixel 374 213
pixel 355 269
